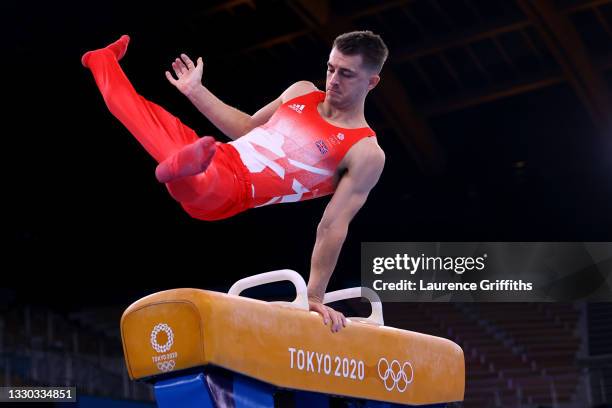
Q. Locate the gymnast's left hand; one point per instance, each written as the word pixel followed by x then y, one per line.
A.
pixel 336 318
pixel 188 74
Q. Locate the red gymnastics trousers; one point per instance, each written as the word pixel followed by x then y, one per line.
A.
pixel 221 191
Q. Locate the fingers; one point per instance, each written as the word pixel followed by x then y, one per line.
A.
pixel 339 321
pixel 170 78
pixel 325 313
pixel 179 68
pixel 187 61
pixel 336 321
pixel 184 65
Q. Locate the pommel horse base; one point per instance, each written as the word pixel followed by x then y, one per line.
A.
pixel 208 349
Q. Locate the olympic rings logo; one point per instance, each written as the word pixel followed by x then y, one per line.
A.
pixel 166 365
pixel 394 374
pixel 166 329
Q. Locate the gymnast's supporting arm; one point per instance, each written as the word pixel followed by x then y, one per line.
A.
pixel 350 195
pixel 229 120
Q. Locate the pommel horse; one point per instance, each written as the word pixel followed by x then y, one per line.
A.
pixel 202 348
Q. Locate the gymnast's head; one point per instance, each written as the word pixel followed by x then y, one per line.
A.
pixel 354 66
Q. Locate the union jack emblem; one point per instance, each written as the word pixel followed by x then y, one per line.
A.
pixel 322 147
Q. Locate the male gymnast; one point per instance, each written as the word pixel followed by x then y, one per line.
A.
pixel 305 144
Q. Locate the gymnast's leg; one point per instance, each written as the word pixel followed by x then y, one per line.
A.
pixel 188 166
pixel 159 132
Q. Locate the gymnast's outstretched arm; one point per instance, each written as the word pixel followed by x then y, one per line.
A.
pixel 350 195
pixel 229 120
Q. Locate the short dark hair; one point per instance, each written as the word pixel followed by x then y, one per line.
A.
pixel 365 43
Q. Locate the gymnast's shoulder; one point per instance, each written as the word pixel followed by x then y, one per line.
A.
pixel 297 89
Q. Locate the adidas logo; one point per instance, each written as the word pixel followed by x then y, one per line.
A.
pixel 296 107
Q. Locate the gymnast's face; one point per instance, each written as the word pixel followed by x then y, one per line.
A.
pixel 348 80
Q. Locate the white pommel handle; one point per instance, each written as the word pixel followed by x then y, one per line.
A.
pixel 301 298
pixel 377 313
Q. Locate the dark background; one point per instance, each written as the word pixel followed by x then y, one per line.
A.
pixel 85 209
pixel 494 116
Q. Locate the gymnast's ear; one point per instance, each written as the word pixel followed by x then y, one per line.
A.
pixel 373 81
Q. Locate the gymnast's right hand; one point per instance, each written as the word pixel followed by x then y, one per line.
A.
pixel 336 318
pixel 189 75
